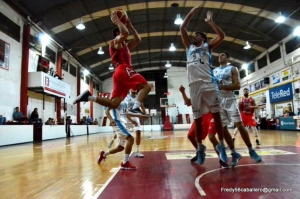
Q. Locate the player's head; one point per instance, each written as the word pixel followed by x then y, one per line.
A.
pixel 199 38
pixel 246 92
pixel 224 57
pixel 116 32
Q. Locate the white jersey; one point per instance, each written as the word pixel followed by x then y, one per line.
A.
pixel 199 63
pixel 119 114
pixel 223 76
pixel 130 101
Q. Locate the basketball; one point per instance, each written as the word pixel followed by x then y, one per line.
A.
pixel 122 15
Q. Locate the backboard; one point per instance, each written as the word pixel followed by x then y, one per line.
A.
pixel 167 102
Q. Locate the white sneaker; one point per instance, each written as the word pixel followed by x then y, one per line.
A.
pixel 138 155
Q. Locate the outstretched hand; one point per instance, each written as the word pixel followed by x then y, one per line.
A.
pixel 181 89
pixel 209 15
pixel 114 18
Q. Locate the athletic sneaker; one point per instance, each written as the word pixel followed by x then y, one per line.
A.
pixel 194 159
pixel 136 112
pixel 127 165
pixel 235 158
pixel 254 156
pixel 222 153
pixel 223 164
pixel 110 143
pixel 101 157
pixel 201 155
pixel 257 142
pixel 83 97
pixel 138 155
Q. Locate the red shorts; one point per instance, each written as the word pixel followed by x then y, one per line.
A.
pixel 125 78
pixel 248 120
pixel 208 126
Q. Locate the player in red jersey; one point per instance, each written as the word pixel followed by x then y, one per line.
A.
pixel 247 105
pixel 124 77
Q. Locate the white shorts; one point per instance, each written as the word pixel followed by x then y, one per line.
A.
pixel 137 120
pixel 230 111
pixel 122 133
pixel 204 97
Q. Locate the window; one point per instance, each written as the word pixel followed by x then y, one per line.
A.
pixel 275 55
pixel 97 87
pixel 87 80
pixel 242 73
pixel 292 45
pixel 262 62
pixel 72 70
pixel 64 65
pixel 251 68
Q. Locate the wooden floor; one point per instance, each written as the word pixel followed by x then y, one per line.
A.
pixel 67 168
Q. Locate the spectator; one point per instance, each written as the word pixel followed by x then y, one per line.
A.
pixel 50 121
pixel 2 120
pixel 95 122
pixel 286 113
pixel 298 111
pixel 263 118
pixel 34 117
pixel 18 116
pixel 89 120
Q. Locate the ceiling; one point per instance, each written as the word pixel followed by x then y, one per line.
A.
pixel 241 20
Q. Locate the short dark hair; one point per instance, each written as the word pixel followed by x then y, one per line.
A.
pixel 202 35
pixel 246 89
pixel 226 53
pixel 115 31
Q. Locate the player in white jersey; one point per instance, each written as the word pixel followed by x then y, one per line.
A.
pixel 203 88
pixel 228 79
pixel 126 140
pixel 130 100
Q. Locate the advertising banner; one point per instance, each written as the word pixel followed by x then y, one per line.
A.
pixel 281 93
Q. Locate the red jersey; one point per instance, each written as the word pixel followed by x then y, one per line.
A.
pixel 245 103
pixel 120 56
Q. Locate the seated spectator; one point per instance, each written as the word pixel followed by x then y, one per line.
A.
pixel 286 113
pixel 95 122
pixel 2 120
pixel 18 116
pixel 89 120
pixel 34 117
pixel 50 121
pixel 83 120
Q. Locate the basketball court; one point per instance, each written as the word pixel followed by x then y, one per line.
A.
pixel 67 168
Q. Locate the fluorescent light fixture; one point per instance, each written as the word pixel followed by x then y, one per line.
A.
pixel 168 65
pixel 178 20
pixel 80 25
pixel 247 45
pixel 111 67
pixel 245 66
pixel 100 51
pixel 86 72
pixel 297 31
pixel 280 18
pixel 44 38
pixel 166 76
pixel 172 47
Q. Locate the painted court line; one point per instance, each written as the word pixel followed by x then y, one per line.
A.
pixel 202 192
pixel 115 171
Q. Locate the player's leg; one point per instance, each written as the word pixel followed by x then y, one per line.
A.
pixel 137 129
pixel 192 137
pixel 128 147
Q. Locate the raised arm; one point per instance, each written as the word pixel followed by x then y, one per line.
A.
pixel 220 34
pixel 123 31
pixel 184 34
pixel 185 98
pixel 136 37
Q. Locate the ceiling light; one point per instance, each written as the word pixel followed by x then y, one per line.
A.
pixel 166 76
pixel 297 31
pixel 280 18
pixel 172 47
pixel 100 51
pixel 111 67
pixel 178 20
pixel 44 38
pixel 247 45
pixel 168 65
pixel 245 66
pixel 80 25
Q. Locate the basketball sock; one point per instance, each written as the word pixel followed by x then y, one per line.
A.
pixel 235 131
pixel 199 146
pixel 137 148
pixel 126 158
pixel 250 148
pixel 137 104
pixel 92 98
pixel 221 143
pixel 106 153
pixel 233 150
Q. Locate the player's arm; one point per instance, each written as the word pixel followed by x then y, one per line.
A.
pixel 143 108
pixel 184 34
pixel 136 37
pixel 131 120
pixel 253 105
pixel 123 31
pixel 185 98
pixel 220 34
pixel 235 81
pixel 108 115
